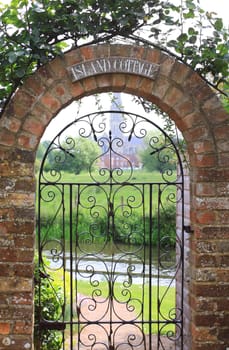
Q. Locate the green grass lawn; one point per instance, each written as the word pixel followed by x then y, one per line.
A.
pixel 158 308
pixel 129 208
pixel 163 296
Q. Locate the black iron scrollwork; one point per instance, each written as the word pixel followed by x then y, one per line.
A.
pixel 107 209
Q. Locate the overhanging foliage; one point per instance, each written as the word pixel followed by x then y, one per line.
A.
pixel 33 32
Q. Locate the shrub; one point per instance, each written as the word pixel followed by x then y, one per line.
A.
pixel 48 299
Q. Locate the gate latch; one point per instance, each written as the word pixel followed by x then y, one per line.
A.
pixel 188 229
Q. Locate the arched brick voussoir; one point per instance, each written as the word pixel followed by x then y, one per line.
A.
pixel 20 105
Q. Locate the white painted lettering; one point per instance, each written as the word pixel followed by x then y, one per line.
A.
pixel 112 65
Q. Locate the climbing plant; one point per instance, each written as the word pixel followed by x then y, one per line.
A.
pixel 33 32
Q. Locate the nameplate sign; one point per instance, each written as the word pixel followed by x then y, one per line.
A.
pixel 114 65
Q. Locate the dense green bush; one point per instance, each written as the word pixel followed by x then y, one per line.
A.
pixel 48 299
pixel 127 230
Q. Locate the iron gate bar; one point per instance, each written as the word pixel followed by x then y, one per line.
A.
pixel 111 179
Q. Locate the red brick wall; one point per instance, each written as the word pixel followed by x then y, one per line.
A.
pixel 205 125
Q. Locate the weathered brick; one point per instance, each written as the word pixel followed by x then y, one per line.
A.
pixel 22 298
pixel 211 290
pixel 223 275
pixel 173 96
pixel 104 82
pixel 58 68
pixel 22 156
pixel 197 133
pixel 161 86
pixel 146 86
pixel 206 246
pixel 6 214
pixel 77 90
pixel 33 126
pixel 51 102
pixel 42 114
pixel 223 334
pixel 206 275
pixel 22 327
pixel 204 160
pixel 72 57
pixel 6 184
pixel 27 141
pixel 166 65
pixel 223 217
pixel 214 232
pixel 25 214
pixel 184 108
pixel 7 138
pixel 119 81
pixel 16 342
pixel 122 50
pixel 34 85
pixel 179 72
pixel 87 52
pixel 12 284
pixel 153 56
pixel 218 116
pixel 223 158
pixel 206 217
pixel 22 103
pixel 221 132
pixel 132 83
pixel 204 146
pixel 16 228
pixel 138 52
pixel 24 241
pixel 62 92
pixel 205 334
pixel 89 84
pixel 12 124
pixel 211 175
pixel 23 270
pixel 192 119
pixel 25 185
pixel 21 199
pixel 208 346
pixel 205 189
pixel 206 260
pixel 211 203
pixel 4 327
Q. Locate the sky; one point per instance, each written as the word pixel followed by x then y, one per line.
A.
pixel 219 6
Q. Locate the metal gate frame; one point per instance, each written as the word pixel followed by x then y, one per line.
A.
pixel 71 324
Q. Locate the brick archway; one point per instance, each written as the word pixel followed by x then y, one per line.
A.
pixel 201 118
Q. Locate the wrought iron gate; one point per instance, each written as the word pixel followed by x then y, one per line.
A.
pixel 109 253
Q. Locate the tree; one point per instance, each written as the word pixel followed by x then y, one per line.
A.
pixel 33 32
pixel 158 154
pixel 73 156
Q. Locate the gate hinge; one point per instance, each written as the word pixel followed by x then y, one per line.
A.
pixel 188 229
pixel 58 326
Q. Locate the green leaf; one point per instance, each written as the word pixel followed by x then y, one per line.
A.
pixel 218 24
pixel 12 57
pixel 20 72
pixel 192 39
pixel 182 38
